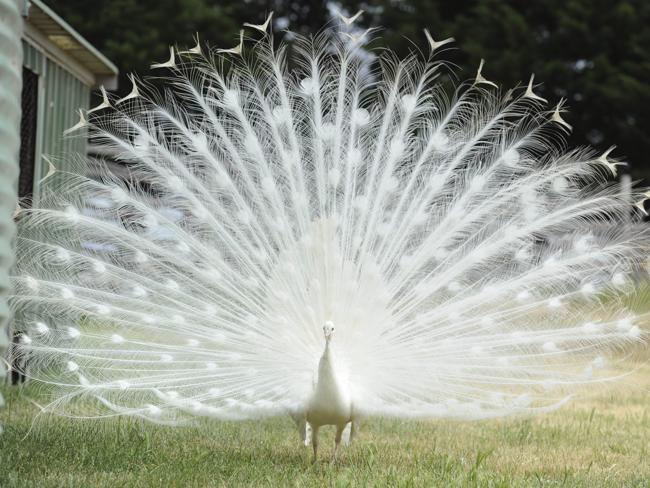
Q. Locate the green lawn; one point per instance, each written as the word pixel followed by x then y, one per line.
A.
pixel 600 440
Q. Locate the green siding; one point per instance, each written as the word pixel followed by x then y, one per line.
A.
pixel 61 95
pixel 10 85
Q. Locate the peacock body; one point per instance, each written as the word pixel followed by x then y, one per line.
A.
pixel 471 266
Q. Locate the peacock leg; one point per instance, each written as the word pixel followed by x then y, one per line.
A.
pixel 314 441
pixel 302 426
pixel 337 440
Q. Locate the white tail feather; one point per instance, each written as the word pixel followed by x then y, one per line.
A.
pixel 471 267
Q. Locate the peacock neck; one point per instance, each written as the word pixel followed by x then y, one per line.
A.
pixel 326 366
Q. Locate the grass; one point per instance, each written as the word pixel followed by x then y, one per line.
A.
pixel 600 440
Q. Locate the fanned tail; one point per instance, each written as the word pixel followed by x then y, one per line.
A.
pixel 473 267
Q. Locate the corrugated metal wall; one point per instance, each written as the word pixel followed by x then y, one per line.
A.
pixel 60 97
pixel 10 86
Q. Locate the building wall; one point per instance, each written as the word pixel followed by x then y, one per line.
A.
pixel 60 97
pixel 10 86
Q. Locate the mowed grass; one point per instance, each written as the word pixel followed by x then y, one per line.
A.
pixel 598 440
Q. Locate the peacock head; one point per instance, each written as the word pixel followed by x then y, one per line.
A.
pixel 328 330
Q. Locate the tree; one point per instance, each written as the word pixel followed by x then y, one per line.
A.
pixel 594 53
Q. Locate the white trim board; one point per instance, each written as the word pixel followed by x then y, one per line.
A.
pixel 43 44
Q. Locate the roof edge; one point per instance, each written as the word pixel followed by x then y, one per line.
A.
pixel 77 37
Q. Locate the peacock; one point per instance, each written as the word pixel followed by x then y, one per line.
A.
pixel 301 232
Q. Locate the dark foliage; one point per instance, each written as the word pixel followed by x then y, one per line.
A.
pixel 595 53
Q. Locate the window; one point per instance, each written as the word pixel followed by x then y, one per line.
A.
pixel 29 103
